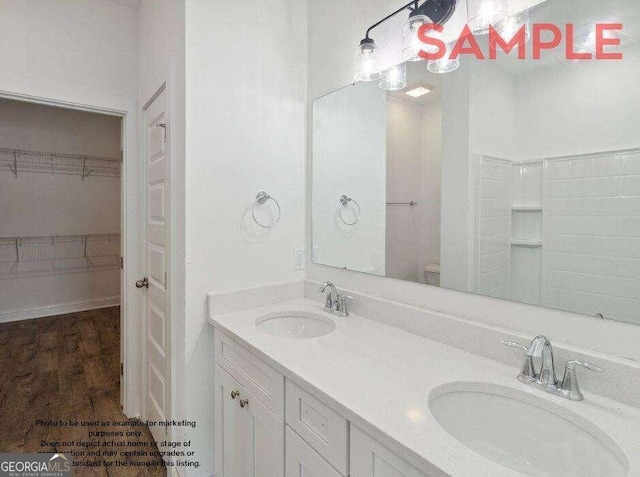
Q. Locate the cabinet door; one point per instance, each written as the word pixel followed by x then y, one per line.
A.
pixel 229 419
pixel 303 461
pixel 369 458
pixel 263 440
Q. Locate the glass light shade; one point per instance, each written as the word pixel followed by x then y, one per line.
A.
pixel 366 62
pixel 511 26
pixel 411 44
pixel 445 64
pixel 482 14
pixel 395 78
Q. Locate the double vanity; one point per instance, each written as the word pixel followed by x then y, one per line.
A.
pixel 301 390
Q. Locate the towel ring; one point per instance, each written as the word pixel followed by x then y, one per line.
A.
pixel 261 198
pixel 344 201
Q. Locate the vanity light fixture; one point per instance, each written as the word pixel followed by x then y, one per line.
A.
pixel 511 26
pixel 395 78
pixel 446 64
pixel 411 44
pixel 367 66
pixel 417 92
pixel 482 14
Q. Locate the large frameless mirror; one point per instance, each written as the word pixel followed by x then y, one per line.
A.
pixel 515 179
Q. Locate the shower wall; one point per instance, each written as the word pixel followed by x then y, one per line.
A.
pixel 573 222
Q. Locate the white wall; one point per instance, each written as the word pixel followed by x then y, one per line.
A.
pixel 83 51
pixel 414 133
pixel 457 194
pixel 350 143
pixel 334 32
pixel 598 93
pixel 246 105
pixel 404 173
pixel 41 204
pixel 430 210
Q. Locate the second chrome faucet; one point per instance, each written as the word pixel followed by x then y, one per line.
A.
pixel 543 375
pixel 336 301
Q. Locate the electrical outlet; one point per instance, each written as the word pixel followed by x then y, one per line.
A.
pixel 298 259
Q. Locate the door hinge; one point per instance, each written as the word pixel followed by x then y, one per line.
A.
pixel 121 263
pixel 121 369
pixel 165 278
pixel 121 156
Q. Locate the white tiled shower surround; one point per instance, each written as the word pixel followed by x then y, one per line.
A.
pixel 494 228
pixel 573 228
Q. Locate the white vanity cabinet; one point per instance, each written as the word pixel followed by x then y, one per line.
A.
pixel 253 426
pixel 228 425
pixel 303 461
pixel 249 435
pixel 369 458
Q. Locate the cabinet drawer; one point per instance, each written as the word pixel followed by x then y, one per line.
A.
pixel 303 461
pixel 319 425
pixel 260 379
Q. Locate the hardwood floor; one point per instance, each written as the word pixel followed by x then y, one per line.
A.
pixel 67 368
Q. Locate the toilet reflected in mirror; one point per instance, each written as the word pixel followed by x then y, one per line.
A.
pixel 514 179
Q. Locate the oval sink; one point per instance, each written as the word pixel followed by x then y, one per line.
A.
pixel 525 433
pixel 295 325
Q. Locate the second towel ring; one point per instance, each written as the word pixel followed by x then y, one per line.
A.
pixel 261 198
pixel 344 201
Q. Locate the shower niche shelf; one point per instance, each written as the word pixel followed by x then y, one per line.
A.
pixel 17 161
pixel 526 208
pixel 526 243
pixel 526 224
pixel 526 253
pixel 58 254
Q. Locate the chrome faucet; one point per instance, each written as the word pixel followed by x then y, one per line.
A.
pixel 544 376
pixel 540 348
pixel 336 301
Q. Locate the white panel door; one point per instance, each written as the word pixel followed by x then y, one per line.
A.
pixel 303 461
pixel 263 439
pixel 156 252
pixel 369 458
pixel 228 422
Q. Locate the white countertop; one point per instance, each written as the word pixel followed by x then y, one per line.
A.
pixel 380 377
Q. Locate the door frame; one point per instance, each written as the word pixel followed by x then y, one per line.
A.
pixel 130 301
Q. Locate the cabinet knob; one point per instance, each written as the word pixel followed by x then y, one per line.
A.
pixel 235 394
pixel 244 402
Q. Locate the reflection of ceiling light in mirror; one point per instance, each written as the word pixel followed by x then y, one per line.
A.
pixel 411 44
pixel 417 92
pixel 482 14
pixel 511 26
pixel 395 78
pixel 366 67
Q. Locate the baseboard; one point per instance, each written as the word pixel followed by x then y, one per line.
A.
pixel 61 309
